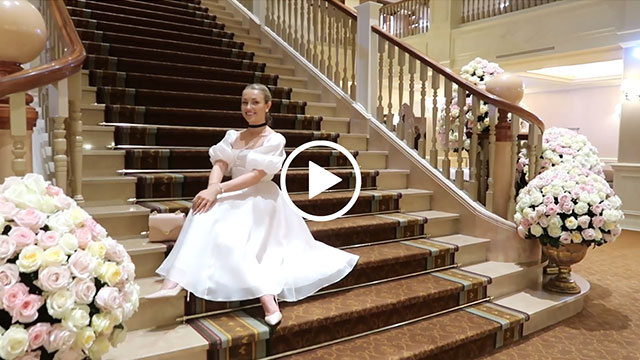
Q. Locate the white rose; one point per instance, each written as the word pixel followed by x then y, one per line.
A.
pixel 527 213
pixel 23 197
pixel 60 303
pixel 78 215
pixel 48 205
pixel 479 72
pixel 77 318
pixel 36 183
pixel 554 231
pixel 14 342
pixel 60 222
pixel 517 218
pixel 101 324
pixel 536 230
pixel 610 216
pixel 555 221
pixel 581 208
pixel 30 259
pixel 571 223
pixel 594 199
pixel 69 243
pixel 536 199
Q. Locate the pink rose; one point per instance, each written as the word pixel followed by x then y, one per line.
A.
pixel 544 222
pixel 540 210
pixel 28 311
pixel 596 209
pixel 83 290
pixel 583 221
pixel 59 338
pixel 522 232
pixel 7 248
pixel 108 299
pixel 567 207
pixel 83 235
pixel 589 234
pixel 616 231
pixel 81 264
pixel 598 221
pixel 30 218
pixel 525 223
pixel 54 191
pixel 548 200
pixel 54 278
pixel 9 275
pixel 96 229
pixel 552 209
pixel 13 296
pixel 8 210
pixel 115 251
pixel 38 335
pixel 608 238
pixel 565 237
pixel 31 355
pixel 48 239
pixel 63 202
pixel 22 236
pixel 564 198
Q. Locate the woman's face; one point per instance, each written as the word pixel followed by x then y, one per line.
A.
pixel 254 109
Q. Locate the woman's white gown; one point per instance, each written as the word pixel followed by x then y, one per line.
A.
pixel 251 243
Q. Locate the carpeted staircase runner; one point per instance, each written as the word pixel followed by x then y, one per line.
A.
pixel 170 77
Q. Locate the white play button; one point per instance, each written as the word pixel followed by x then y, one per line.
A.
pixel 320 179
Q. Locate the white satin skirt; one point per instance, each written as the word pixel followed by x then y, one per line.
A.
pixel 251 243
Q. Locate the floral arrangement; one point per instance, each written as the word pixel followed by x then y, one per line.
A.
pixel 568 204
pixel 66 288
pixel 479 72
pixel 561 146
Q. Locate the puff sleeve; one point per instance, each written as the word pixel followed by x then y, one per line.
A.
pixel 269 157
pixel 222 150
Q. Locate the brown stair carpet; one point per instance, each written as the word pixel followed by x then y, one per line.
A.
pixel 170 77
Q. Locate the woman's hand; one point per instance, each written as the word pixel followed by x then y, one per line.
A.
pixel 205 200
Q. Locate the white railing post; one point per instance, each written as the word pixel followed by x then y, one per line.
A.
pixel 260 11
pixel 366 56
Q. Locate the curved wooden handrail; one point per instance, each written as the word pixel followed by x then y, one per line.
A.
pixel 51 72
pixel 458 80
pixel 344 9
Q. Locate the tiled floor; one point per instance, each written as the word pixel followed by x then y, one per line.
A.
pixel 609 326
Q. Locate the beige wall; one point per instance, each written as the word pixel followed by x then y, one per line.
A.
pixel 594 110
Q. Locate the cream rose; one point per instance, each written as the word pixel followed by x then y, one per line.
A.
pixel 536 230
pixel 69 354
pixel 77 215
pixel 77 318
pixel 54 278
pixel 60 338
pixel 108 299
pixel 84 290
pixel 54 256
pixel 60 222
pixel 118 336
pixel 111 273
pixel 68 243
pixel 23 197
pixel 101 324
pixel 30 259
pixel 35 183
pixel 85 338
pixel 60 303
pixel 97 249
pixel 14 342
pixel 99 348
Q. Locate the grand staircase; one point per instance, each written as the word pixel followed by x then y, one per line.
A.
pixel 161 84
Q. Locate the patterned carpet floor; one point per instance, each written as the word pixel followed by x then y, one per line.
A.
pixel 609 326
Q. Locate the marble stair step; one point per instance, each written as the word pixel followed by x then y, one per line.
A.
pixel 121 221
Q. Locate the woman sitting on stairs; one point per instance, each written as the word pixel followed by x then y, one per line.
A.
pixel 241 240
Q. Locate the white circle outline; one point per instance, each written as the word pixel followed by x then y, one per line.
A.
pixel 342 150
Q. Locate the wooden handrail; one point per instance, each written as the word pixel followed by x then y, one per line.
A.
pixel 455 78
pixel 344 9
pixel 51 72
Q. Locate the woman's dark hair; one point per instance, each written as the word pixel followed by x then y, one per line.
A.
pixel 267 97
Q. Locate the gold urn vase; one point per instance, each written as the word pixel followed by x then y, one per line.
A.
pixel 564 256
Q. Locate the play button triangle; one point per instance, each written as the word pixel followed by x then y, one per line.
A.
pixel 320 179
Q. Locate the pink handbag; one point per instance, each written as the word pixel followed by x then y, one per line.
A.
pixel 165 227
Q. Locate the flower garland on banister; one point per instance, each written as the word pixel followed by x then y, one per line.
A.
pixel 478 72
pixel 66 287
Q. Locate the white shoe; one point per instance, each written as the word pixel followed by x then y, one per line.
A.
pixel 170 292
pixel 273 319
